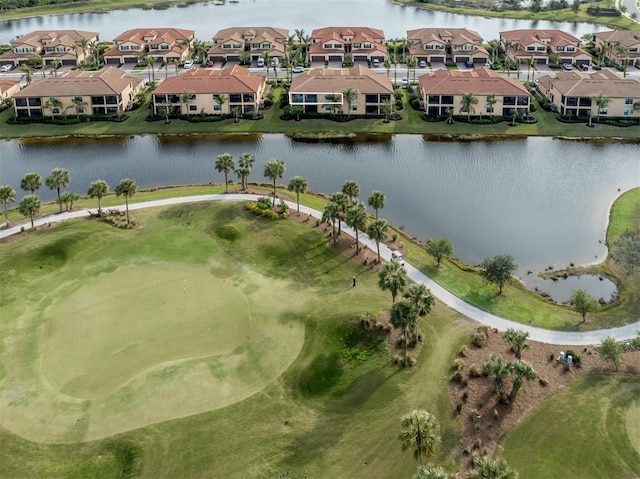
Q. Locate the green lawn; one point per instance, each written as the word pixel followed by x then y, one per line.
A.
pixel 588 430
pixel 312 393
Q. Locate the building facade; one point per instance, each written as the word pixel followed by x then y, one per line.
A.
pixel 69 47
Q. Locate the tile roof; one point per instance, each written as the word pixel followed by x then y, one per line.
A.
pixel 329 80
pixel 480 81
pixel 252 32
pixel 235 79
pixel 64 37
pixel 585 85
pixel 551 37
pixel 168 35
pixel 624 37
pixel 360 33
pixel 457 35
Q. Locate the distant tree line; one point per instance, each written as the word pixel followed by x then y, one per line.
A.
pixel 15 4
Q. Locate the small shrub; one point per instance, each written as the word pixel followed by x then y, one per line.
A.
pixel 457 377
pixel 474 372
pixel 543 382
pixel 479 339
pixel 459 408
pixel 475 415
pixel 463 352
pixel 458 364
pixel 465 396
pixel 551 356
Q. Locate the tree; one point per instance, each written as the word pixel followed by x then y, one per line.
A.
pixel 388 108
pixel 531 64
pixel 27 73
pixel 439 248
pixel 220 100
pixel 554 58
pixel 520 370
pixel 151 66
pixel 224 164
pixel 245 164
pixel 467 104
pixel 54 105
pixel 342 203
pixel 575 6
pixel 357 219
pixel 497 371
pixel 392 277
pixel 267 61
pixel 610 350
pixel 377 201
pixel 329 215
pixel 31 182
pixel 404 316
pixel 274 169
pixel 186 97
pixel 423 300
pixel 601 102
pixel 98 189
pixel 420 431
pixel 298 185
pixel 55 64
pixel 7 196
pixel 350 96
pixel 68 198
pixel 498 270
pixel 78 105
pixel 625 249
pixel 430 472
pixel 29 206
pixel 351 189
pixel 236 111
pixel 58 178
pixel 377 231
pixel 491 101
pixel 517 339
pixel 126 188
pixel 487 468
pixel 583 303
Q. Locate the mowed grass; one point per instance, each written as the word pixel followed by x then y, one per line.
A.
pixel 324 402
pixel 591 429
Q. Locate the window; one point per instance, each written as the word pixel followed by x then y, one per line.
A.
pixel 559 49
pixel 628 112
pixel 428 47
pixel 50 49
pixel 78 98
pixel 367 45
pixel 439 47
pixel 628 101
pixel 311 98
pixel 135 47
pixel 542 49
pixel 531 48
pixel 296 98
pixel 153 47
pixel 55 111
pixel 193 107
pixel 266 45
pixel 247 97
pixel 255 46
pixel 217 107
pixel 235 98
pixel 358 45
pixel 571 49
pixel 328 108
pixel 603 111
pixel 489 108
pixel 371 98
pixel 354 108
pixel 468 47
pixel 633 49
pixel 433 99
pixel 237 45
pixel 447 100
pixel 124 47
pixel 164 46
pixel 226 46
pixel 457 47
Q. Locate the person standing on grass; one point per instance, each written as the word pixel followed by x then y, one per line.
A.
pixel 354 282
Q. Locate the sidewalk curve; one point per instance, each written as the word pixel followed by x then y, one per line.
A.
pixel 536 334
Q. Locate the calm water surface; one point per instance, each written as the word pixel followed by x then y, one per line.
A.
pixel 544 201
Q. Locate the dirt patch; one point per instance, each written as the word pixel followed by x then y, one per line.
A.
pixel 484 419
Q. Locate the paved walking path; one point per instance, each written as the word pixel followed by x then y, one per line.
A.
pixel 536 334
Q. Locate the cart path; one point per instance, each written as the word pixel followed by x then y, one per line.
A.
pixel 536 334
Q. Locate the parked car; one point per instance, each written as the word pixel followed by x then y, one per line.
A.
pixel 584 67
pixel 6 68
pixel 210 63
pixel 487 65
pixel 396 257
pixel 275 61
pixel 260 62
pixel 375 62
pixel 567 66
pixel 536 82
pixel 405 82
pixel 468 64
pixel 298 69
pixel 188 64
pixel 422 63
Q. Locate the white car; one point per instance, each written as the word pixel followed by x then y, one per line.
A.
pixel 6 68
pixel 188 64
pixel 375 62
pixel 396 257
pixel 405 82
pixel 298 69
pixel 422 63
pixel 275 61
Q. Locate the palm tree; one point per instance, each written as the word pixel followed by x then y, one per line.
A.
pixel 55 64
pixel 176 65
pixel 431 472
pixel 68 198
pixel 521 370
pixel 497 370
pixel 54 105
pixel 329 215
pixel 601 102
pixel 392 277
pixel 351 189
pixel 554 58
pixel 94 49
pixel 377 231
pixel 245 163
pixel 126 188
pixel 420 432
pixel 349 95
pixel 357 219
pixel 517 339
pixel 467 104
pixel 186 97
pixel 78 105
pixel 404 316
pixel 531 63
pixel 225 164
pixel 151 66
pixel 220 100
pixel 342 203
pixel 387 66
pixel 412 63
pixel 486 468
pixel 31 182
pixel 267 61
pixel 298 185
pixel 423 300
pixel 235 111
pixel 7 196
pixel 377 201
pixel 29 206
pixel 27 73
pixel 494 48
pixel 491 101
pixel 98 189
pixel 58 178
pixel 387 107
pixel 274 169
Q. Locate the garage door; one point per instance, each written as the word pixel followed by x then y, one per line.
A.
pixel 360 58
pixel 437 59
pixel 480 61
pixel 541 61
pixel 317 58
pixel 335 58
pixel 462 59
pixel 112 61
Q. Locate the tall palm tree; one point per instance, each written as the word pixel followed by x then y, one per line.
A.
pixel 377 231
pixel 151 65
pixel 245 163
pixel 351 189
pixel 554 59
pixel 54 66
pixel 342 203
pixel 126 188
pixel 531 63
pixel 520 370
pixel 377 201
pixel 27 73
pixel 267 61
pixel 220 100
pixel 58 178
pixel 298 185
pixel 357 219
pixel 98 189
pixel 487 468
pixel 423 300
pixel 31 182
pixel 350 96
pixel 274 169
pixel 186 97
pixel 420 431
pixel 84 44
pixel 430 472
pixel 78 105
pixel 94 50
pixel 404 317
pixel 176 65
pixel 7 196
pixel 329 215
pixel 54 105
pixel 467 104
pixel 412 63
pixel 29 206
pixel 392 277
pixel 601 102
pixel 225 164
pixel 491 101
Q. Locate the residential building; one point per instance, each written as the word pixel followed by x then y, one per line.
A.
pixel 335 43
pixel 70 47
pixel 619 45
pixel 229 44
pixel 106 92
pixel 439 45
pixel 162 44
pixel 443 90
pixel 8 88
pixel 574 94
pixel 322 90
pixel 542 45
pixel 210 92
